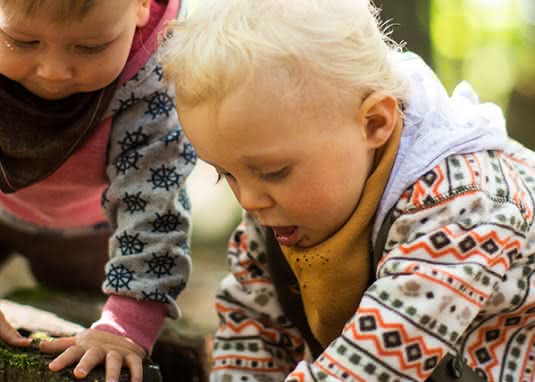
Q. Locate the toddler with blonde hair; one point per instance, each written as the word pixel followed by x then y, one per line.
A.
pixel 387 226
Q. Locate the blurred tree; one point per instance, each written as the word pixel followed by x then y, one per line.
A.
pixel 410 21
pixel 520 111
pixel 490 43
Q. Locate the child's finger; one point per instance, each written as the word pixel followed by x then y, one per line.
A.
pixel 135 364
pixel 57 345
pixel 67 358
pixel 10 334
pixel 114 363
pixel 92 357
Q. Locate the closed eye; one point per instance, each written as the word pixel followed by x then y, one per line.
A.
pixel 20 43
pixel 276 175
pixel 93 49
pixel 11 41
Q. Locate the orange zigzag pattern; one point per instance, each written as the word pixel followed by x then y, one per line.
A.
pixel 450 250
pixel 499 341
pixel 420 188
pixel 272 334
pixel 406 339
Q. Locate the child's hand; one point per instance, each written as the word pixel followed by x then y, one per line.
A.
pixel 92 347
pixel 9 335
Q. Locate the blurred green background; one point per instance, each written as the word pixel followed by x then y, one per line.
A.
pixel 490 43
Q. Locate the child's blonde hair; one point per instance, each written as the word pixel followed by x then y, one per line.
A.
pixel 224 42
pixel 60 11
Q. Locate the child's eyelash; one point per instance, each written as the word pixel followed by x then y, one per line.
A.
pixel 93 49
pixel 20 44
pixel 277 174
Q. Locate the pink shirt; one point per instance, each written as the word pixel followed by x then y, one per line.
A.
pixel 70 197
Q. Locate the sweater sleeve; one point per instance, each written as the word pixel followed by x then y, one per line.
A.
pixel 146 202
pixel 445 255
pixel 254 339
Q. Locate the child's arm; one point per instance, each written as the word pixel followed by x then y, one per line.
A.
pixel 253 337
pixel 147 206
pixel 446 252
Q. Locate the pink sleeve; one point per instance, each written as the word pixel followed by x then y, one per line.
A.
pixel 140 321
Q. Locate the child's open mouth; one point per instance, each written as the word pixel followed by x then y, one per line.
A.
pixel 288 235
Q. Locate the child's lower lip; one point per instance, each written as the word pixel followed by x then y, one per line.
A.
pixel 286 235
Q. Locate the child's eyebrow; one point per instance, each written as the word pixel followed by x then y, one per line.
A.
pixel 259 162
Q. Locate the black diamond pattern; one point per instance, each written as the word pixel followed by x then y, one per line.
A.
pixel 237 317
pixel 391 339
pixel 367 324
pixel 413 352
pixel 430 178
pixel 482 355
pixel 492 335
pixel 511 321
pixel 440 240
pixel 490 246
pixel 430 363
pixel 467 244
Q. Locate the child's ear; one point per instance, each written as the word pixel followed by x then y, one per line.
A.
pixel 142 13
pixel 378 114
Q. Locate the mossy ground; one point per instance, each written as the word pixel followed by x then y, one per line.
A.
pixel 27 365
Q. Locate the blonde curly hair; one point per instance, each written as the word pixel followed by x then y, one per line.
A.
pixel 224 42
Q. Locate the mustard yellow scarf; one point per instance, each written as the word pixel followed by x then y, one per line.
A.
pixel 334 274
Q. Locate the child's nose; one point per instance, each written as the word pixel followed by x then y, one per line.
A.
pixel 254 200
pixel 54 70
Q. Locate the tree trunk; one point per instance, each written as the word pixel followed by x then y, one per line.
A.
pixel 410 20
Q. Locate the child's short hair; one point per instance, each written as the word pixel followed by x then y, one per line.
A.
pixel 223 42
pixel 60 11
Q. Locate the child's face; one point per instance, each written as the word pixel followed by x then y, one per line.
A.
pixel 54 60
pixel 298 164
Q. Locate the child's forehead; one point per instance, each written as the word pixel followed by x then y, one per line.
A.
pixel 103 20
pixel 56 11
pixel 304 90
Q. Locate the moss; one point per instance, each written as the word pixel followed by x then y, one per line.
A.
pixel 32 295
pixel 28 365
pixel 17 359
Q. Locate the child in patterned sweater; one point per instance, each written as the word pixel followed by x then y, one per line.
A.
pixel 93 164
pixel 388 227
